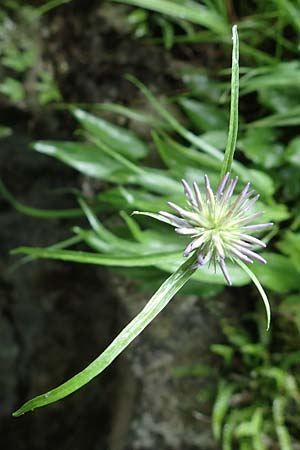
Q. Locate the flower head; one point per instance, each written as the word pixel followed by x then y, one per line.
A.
pixel 220 225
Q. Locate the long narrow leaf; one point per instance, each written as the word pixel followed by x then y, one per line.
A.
pixel 221 407
pixel 117 138
pixel 99 259
pixel 36 212
pixel 283 435
pixel 155 305
pixel 234 106
pixel 191 11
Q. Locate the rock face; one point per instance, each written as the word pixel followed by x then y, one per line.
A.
pixel 55 318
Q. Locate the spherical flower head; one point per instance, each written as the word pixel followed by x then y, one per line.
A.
pixel 220 225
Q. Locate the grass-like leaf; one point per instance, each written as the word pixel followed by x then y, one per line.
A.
pixel 220 407
pixel 99 259
pixel 234 107
pixel 118 138
pixel 284 437
pixel 155 305
pixel 192 12
pixel 36 212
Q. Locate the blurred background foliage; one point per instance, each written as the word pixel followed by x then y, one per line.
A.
pixel 132 156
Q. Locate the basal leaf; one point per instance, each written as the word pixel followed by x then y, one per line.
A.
pixel 118 138
pixel 84 157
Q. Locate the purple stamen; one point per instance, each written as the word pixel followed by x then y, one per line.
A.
pixel 184 213
pixel 236 204
pixel 188 192
pixel 248 204
pixel 248 195
pixel 259 226
pixel 253 240
pixel 240 255
pixel 228 191
pixel 209 194
pixel 232 187
pixel 186 231
pixel 177 221
pixel 247 219
pixel 188 250
pixel 222 184
pixel 241 243
pixel 254 255
pixel 198 195
pixel 225 271
pixel 196 243
pixel 201 259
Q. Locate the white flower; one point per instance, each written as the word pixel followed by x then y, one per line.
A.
pixel 218 224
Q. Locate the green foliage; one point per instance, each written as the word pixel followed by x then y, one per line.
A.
pixel 30 79
pixel 258 406
pixel 189 11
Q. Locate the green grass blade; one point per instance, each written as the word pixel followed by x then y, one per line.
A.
pixel 150 259
pixel 283 435
pixel 59 245
pixel 192 12
pixel 114 154
pixel 133 226
pixel 234 106
pixel 155 305
pixel 133 114
pixel 82 156
pixel 36 212
pixel 124 141
pixel 43 9
pixel 221 407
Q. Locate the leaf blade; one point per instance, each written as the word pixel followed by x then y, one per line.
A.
pixel 155 305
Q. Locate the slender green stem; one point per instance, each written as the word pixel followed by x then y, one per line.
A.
pixel 155 305
pixel 234 106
